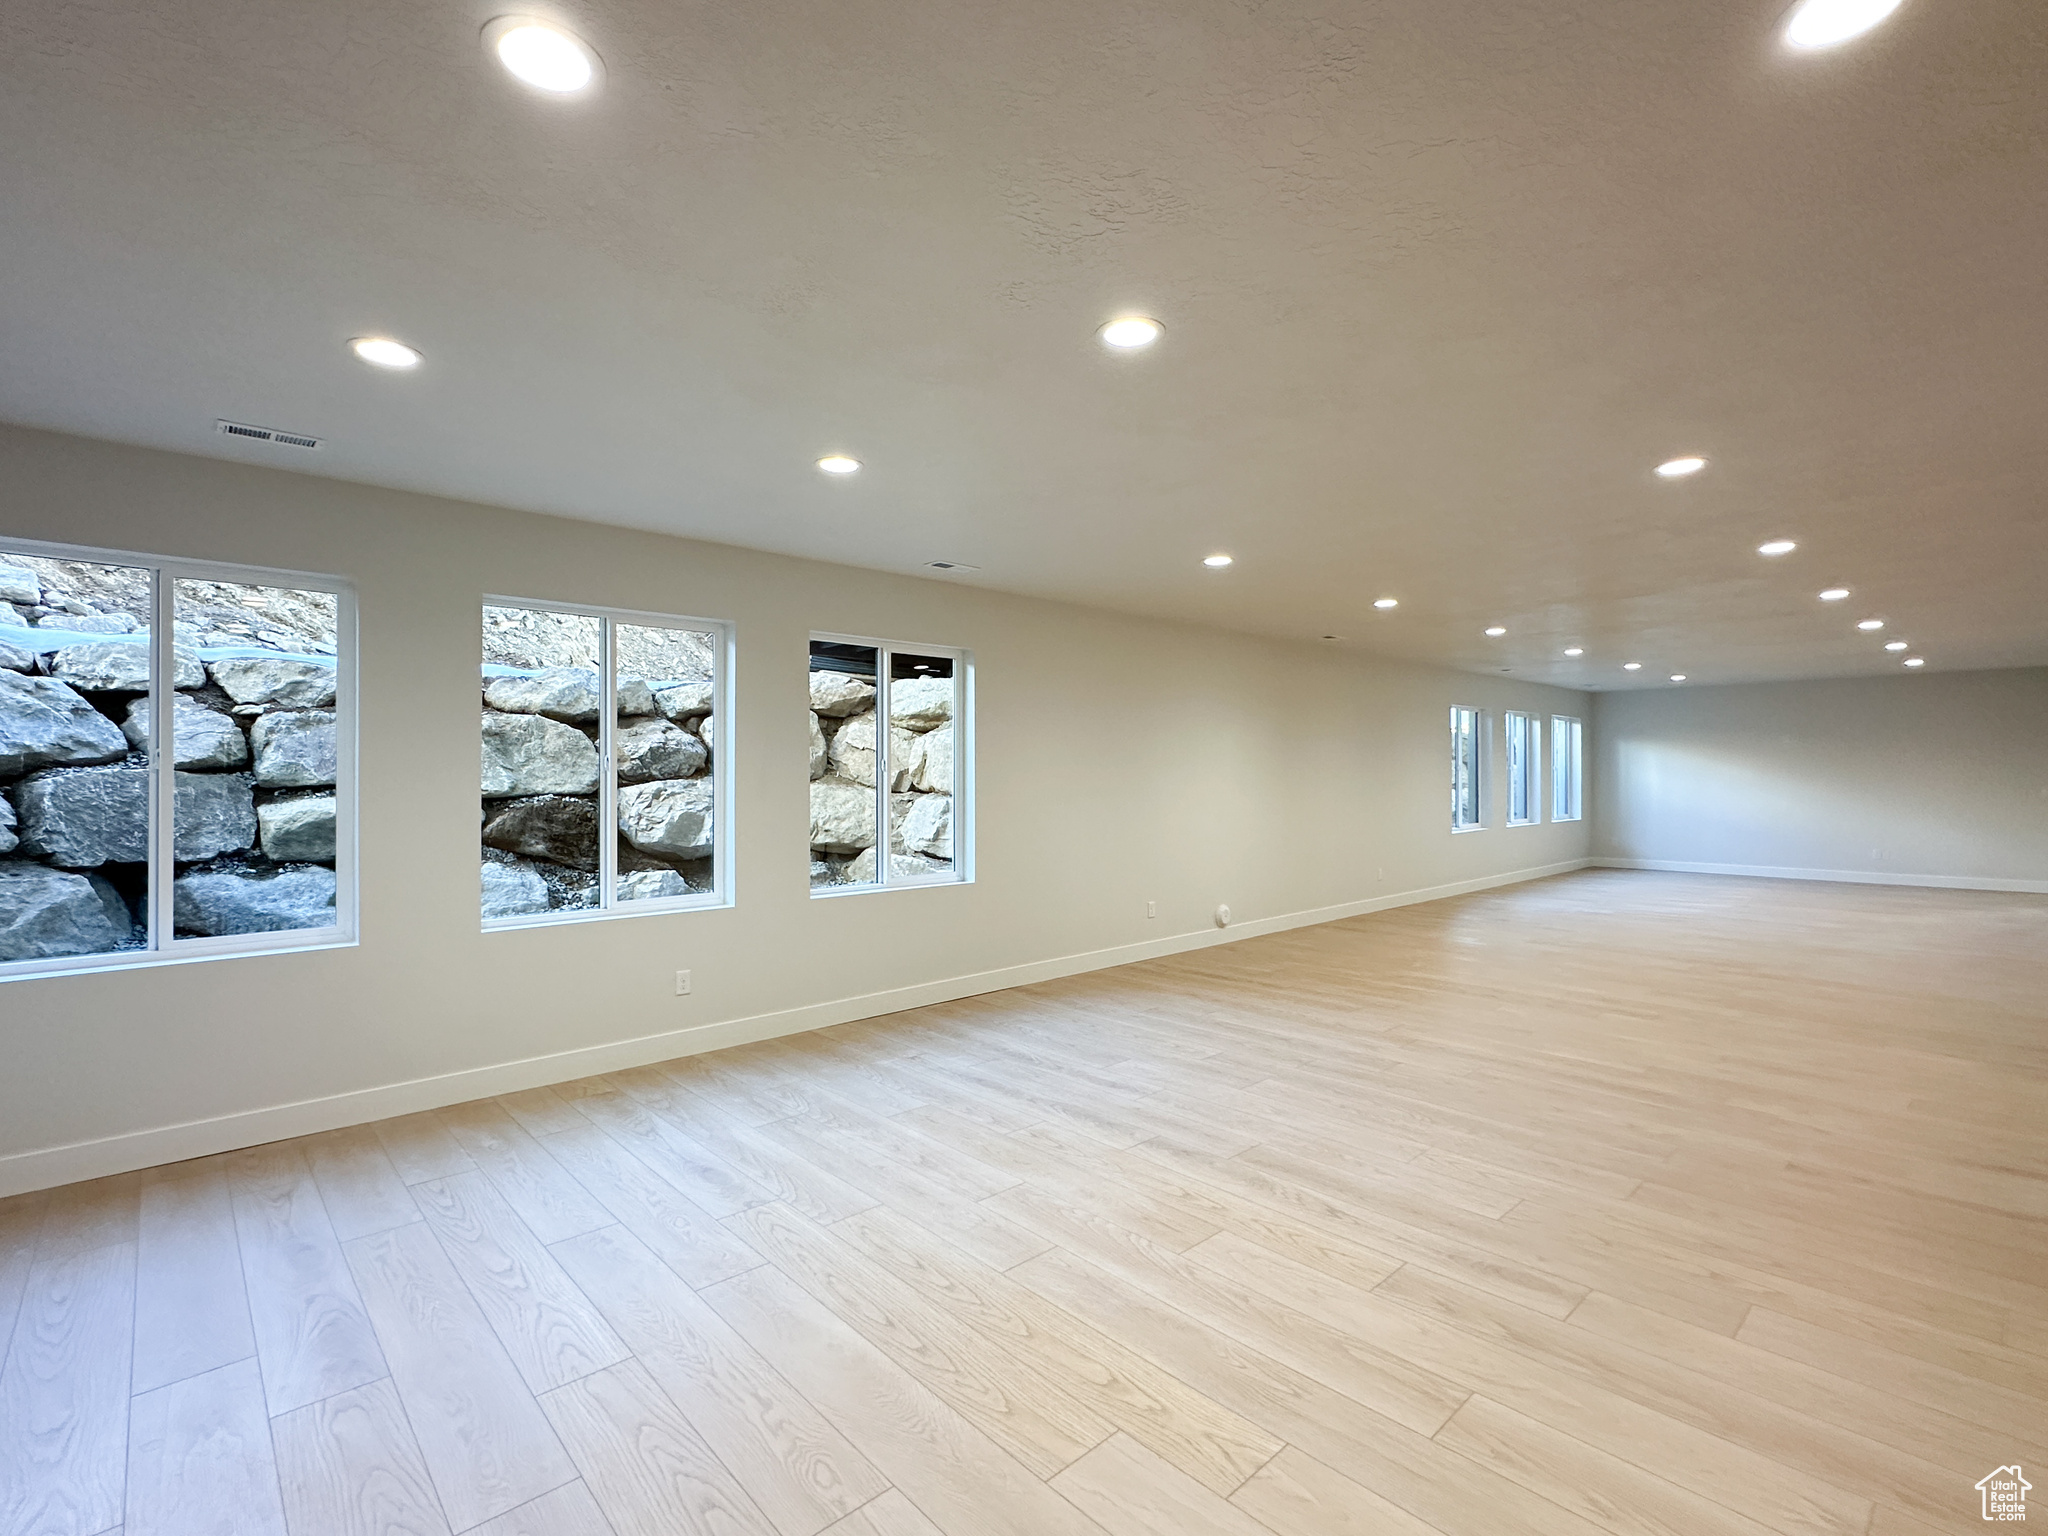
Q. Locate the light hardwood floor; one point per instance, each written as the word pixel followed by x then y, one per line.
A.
pixel 1619 1203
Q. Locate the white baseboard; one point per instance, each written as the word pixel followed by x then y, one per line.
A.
pixel 45 1167
pixel 1844 876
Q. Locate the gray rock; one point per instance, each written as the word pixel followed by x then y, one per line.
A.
pixel 902 866
pixel 925 826
pixel 84 817
pixel 94 624
pixel 294 748
pixel 835 693
pixel 120 666
pixel 707 732
pixel 842 815
pixel 654 749
pixel 43 724
pixel 920 702
pixel 7 834
pixel 298 831
pixel 45 913
pixel 554 828
pixel 560 693
pixel 822 872
pixel 19 584
pixel 821 757
pixel 670 817
pixel 225 902
pixel 853 751
pixel 635 697
pixel 652 885
pixel 201 738
pixel 15 659
pixel 513 890
pixel 684 700
pixel 931 761
pixel 275 680
pixel 533 755
pixel 214 813
pixel 118 915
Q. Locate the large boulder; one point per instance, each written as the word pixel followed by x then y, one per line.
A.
pixel 85 817
pixel 213 813
pixel 670 817
pixel 19 584
pixel 634 697
pixel 298 831
pixel 842 815
pixel 921 702
pixel 45 913
pixel 684 700
pixel 201 738
pixel 836 693
pixel 15 658
pixel 8 838
pixel 556 828
pixel 93 624
pixel 275 680
pixel 652 885
pixel 560 693
pixel 120 666
pixel 821 756
pixel 513 890
pixel 533 755
pixel 902 866
pixel 225 901
pixel 853 751
pixel 43 724
pixel 931 762
pixel 655 749
pixel 706 728
pixel 925 826
pixel 294 749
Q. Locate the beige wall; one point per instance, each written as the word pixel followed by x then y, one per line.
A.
pixel 1939 779
pixel 1120 761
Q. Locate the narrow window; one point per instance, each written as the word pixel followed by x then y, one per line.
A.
pixel 604 784
pixel 890 744
pixel 1525 757
pixel 1466 799
pixel 176 760
pixel 1565 766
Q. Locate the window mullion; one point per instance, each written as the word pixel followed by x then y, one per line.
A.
pixel 162 839
pixel 885 666
pixel 608 770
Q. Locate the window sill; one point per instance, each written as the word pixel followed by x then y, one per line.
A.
pixel 1457 831
pixel 226 948
pixel 604 915
pixel 827 892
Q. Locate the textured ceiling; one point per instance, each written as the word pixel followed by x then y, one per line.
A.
pixel 1442 280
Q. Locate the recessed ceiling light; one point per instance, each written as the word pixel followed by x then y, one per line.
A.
pixel 1870 623
pixel 1575 650
pixel 1386 602
pixel 1678 677
pixel 1834 594
pixel 1495 632
pixel 1631 666
pixel 1216 562
pixel 1916 661
pixel 1130 332
pixel 1895 645
pixel 838 464
pixel 383 352
pixel 1777 547
pixel 542 55
pixel 1678 469
pixel 1824 23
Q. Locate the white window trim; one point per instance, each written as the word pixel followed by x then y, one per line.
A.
pixel 1480 744
pixel 724 891
pixel 1531 727
pixel 1575 735
pixel 163 947
pixel 962 872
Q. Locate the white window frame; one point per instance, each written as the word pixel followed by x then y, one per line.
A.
pixel 162 945
pixel 962 872
pixel 1567 789
pixel 1464 717
pixel 723 892
pixel 1525 762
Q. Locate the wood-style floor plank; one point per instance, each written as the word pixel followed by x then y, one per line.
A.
pixel 191 1309
pixel 547 1199
pixel 349 1466
pixel 199 1458
pixel 1126 1488
pixel 685 1235
pixel 362 1190
pixel 566 1511
pixel 890 1515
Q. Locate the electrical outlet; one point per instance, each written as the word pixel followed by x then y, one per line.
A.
pixel 1151 909
pixel 682 983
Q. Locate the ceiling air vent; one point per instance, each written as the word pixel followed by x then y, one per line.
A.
pixel 948 565
pixel 265 434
